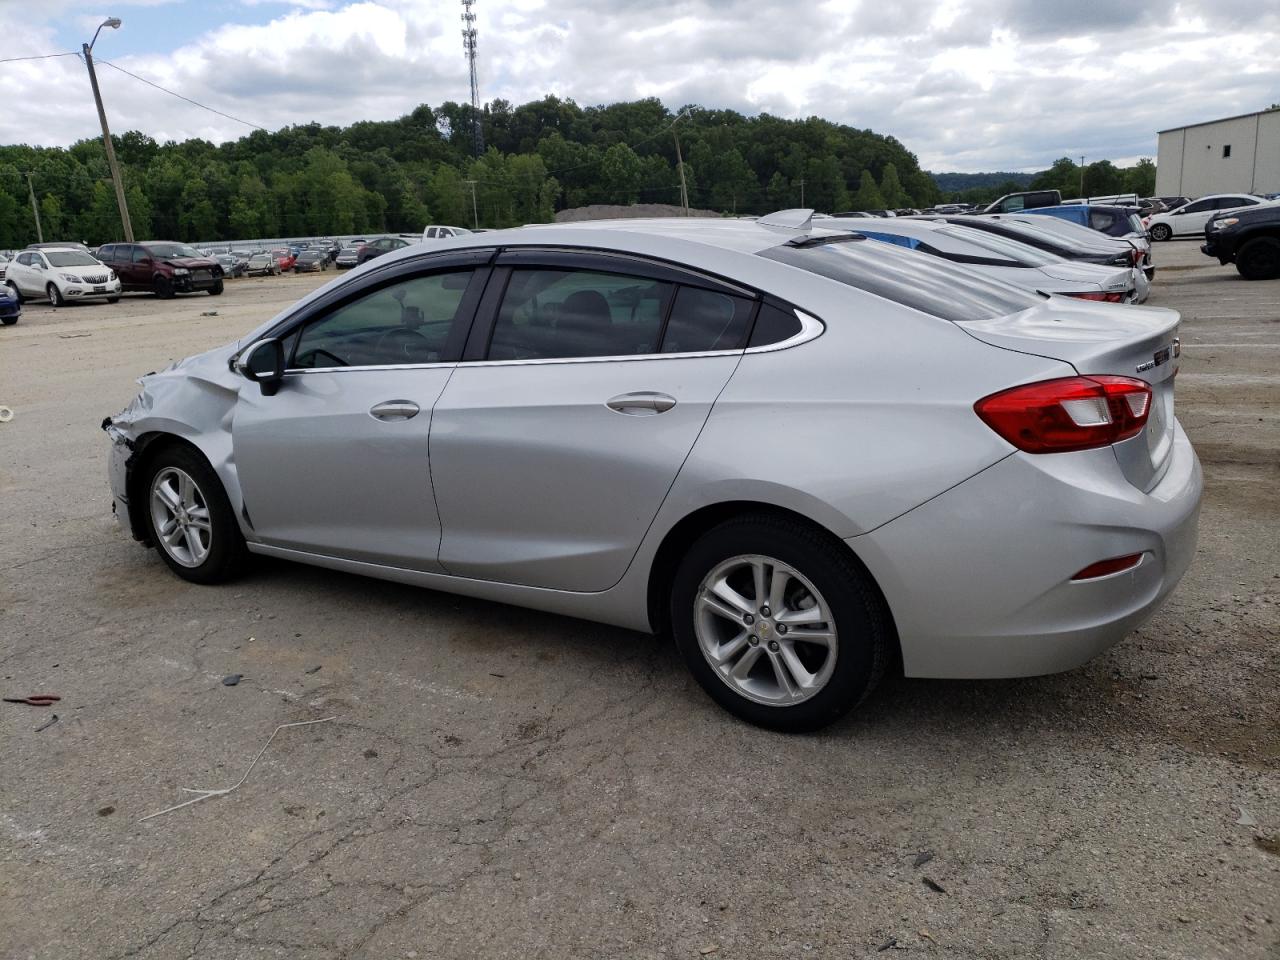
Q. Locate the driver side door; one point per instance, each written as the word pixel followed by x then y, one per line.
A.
pixel 335 463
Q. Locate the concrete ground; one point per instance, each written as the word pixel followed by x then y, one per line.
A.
pixel 500 783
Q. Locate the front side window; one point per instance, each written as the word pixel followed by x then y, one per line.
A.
pixel 565 314
pixel 407 322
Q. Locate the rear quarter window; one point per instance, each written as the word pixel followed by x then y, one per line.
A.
pixel 927 284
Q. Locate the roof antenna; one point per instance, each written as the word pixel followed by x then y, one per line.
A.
pixel 800 220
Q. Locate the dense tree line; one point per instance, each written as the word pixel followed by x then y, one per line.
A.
pixel 1100 179
pixel 402 174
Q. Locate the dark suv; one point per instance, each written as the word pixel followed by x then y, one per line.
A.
pixel 377 248
pixel 1249 238
pixel 163 267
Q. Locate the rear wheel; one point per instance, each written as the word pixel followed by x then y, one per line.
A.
pixel 190 518
pixel 8 321
pixel 778 623
pixel 1259 259
pixel 163 288
pixel 1161 231
pixel 55 295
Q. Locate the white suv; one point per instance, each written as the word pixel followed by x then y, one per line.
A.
pixel 1190 218
pixel 436 232
pixel 61 274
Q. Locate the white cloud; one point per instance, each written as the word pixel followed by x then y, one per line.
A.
pixel 966 84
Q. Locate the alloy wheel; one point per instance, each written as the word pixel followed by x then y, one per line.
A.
pixel 180 515
pixel 766 630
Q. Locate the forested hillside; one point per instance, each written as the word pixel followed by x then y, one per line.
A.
pixel 399 175
pixel 950 183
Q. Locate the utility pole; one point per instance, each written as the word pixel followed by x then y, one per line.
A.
pixel 475 215
pixel 113 23
pixel 684 188
pixel 1082 176
pixel 802 192
pixel 35 209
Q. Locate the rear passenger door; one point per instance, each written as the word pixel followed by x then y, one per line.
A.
pixel 585 383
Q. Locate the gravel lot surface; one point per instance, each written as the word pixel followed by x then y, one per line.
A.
pixel 500 783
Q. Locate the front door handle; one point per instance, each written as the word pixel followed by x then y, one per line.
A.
pixel 394 410
pixel 642 404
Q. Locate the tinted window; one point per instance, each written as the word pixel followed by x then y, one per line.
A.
pixel 773 326
pixel 139 254
pixel 1021 254
pixel 1200 205
pixel 404 322
pixel 933 286
pixel 705 320
pixel 107 253
pixel 558 314
pixel 26 259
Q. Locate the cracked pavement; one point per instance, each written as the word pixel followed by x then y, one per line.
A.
pixel 504 783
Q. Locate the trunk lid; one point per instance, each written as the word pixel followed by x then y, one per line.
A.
pixel 1107 278
pixel 1127 341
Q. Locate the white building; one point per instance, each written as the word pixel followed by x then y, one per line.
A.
pixel 1235 155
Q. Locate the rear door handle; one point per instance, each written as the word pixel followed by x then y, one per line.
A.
pixel 394 410
pixel 641 404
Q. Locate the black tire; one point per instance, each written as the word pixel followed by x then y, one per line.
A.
pixel 163 288
pixel 1259 259
pixel 8 321
pixel 1161 231
pixel 865 637
pixel 55 295
pixel 227 555
pixel 13 288
pixel 216 289
pixel 113 299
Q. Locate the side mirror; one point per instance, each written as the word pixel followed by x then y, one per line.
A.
pixel 263 363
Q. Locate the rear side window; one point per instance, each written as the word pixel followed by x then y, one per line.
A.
pixel 554 314
pixel 774 325
pixel 927 284
pixel 703 320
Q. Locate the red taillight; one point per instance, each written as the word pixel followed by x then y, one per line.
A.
pixel 1105 568
pixel 1074 413
pixel 1114 297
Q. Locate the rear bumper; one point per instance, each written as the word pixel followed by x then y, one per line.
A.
pixel 979 578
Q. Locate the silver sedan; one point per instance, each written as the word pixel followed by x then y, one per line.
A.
pixel 809 456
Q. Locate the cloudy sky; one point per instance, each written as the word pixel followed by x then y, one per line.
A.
pixel 966 84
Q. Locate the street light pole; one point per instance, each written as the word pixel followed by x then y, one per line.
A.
pixel 113 23
pixel 35 209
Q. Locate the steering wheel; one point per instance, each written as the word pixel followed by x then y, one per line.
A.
pixel 401 341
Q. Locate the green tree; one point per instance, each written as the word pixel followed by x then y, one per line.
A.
pixel 620 175
pixel 868 195
pixel 891 188
pixel 1141 178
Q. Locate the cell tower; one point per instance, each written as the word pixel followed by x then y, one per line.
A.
pixel 469 46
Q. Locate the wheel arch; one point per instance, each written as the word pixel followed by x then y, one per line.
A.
pixel 146 448
pixel 689 528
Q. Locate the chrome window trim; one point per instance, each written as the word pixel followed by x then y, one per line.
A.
pixel 810 329
pixel 364 367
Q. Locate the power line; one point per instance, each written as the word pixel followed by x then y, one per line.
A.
pixel 45 56
pixel 171 93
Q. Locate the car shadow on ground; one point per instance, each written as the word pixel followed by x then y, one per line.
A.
pixel 972 708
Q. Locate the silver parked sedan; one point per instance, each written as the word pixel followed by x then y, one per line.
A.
pixel 806 454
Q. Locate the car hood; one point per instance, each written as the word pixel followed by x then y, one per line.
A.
pixel 191 263
pixel 91 270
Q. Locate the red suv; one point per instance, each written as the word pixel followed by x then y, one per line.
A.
pixel 163 267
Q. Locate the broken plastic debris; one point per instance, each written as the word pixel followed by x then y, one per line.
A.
pixel 6 414
pixel 1246 818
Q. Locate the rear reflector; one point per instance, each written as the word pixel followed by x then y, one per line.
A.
pixel 1074 413
pixel 1106 567
pixel 1113 297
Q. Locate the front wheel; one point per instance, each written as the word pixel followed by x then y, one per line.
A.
pixel 779 623
pixel 190 518
pixel 1161 231
pixel 13 288
pixel 216 289
pixel 1259 259
pixel 55 295
pixel 113 299
pixel 8 321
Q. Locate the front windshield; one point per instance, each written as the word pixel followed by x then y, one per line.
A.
pixel 69 258
pixel 1020 253
pixel 166 250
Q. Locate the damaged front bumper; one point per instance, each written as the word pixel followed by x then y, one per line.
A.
pixel 118 464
